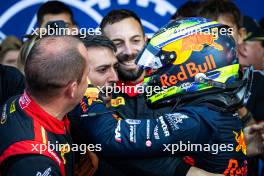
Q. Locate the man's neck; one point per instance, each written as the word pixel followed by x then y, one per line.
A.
pixel 54 107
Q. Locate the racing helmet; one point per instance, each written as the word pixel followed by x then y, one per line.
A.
pixel 189 57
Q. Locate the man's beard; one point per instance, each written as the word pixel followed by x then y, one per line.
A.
pixel 128 75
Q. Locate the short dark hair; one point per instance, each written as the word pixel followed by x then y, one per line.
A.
pixel 47 71
pixel 118 15
pixel 212 9
pixel 188 9
pixel 53 7
pixel 98 41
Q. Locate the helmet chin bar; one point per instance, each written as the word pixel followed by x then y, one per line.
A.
pixel 223 98
pixel 260 71
pixel 244 93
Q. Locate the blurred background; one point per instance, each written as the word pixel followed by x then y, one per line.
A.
pixel 19 17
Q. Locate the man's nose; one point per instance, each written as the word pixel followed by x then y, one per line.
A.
pixel 113 76
pixel 128 49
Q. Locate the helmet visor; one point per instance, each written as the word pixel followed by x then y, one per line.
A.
pixel 149 58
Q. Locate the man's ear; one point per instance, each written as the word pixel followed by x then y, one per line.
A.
pixel 71 89
pixel 242 34
pixel 146 38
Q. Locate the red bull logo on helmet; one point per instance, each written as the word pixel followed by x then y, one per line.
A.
pixel 187 71
pixel 196 42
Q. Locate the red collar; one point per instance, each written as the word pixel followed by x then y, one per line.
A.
pixel 49 122
pixel 132 90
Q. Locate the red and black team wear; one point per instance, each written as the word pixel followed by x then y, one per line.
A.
pixel 32 141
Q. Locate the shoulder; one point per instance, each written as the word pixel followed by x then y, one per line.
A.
pixel 15 126
pixel 12 72
pixel 12 82
pixel 31 165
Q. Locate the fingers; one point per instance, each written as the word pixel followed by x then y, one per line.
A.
pixel 194 171
pixel 256 127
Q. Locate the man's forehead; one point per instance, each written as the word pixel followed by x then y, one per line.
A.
pixel 227 19
pixel 127 27
pixel 99 56
pixel 55 17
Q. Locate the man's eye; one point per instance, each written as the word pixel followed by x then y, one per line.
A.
pixel 136 41
pixel 102 70
pixel 118 44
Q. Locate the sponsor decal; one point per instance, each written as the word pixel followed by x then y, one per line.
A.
pixel 156 132
pixel 240 139
pixel 186 85
pixel 117 132
pixel 174 119
pixel 148 129
pixel 118 101
pixel 92 94
pixel 12 107
pixel 45 173
pixel 164 127
pixel 187 71
pixel 133 121
pixel 132 133
pixel 83 105
pixel 234 169
pixel 197 42
pixel 24 101
pixel 4 117
pixel 148 143
pixel 63 150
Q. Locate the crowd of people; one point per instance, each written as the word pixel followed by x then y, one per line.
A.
pixel 55 92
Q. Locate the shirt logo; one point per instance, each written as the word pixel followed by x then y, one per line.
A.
pixel 233 168
pixel 64 149
pixel 45 173
pixel 12 107
pixel 24 101
pixel 3 118
pixel 164 127
pixel 117 132
pixel 92 94
pixel 117 101
pixel 240 139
